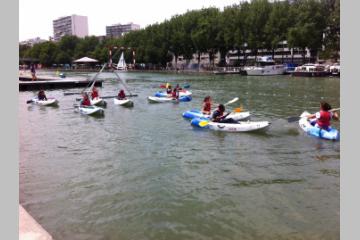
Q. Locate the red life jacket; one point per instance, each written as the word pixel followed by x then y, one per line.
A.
pixel 174 94
pixel 94 94
pixel 86 102
pixel 207 107
pixel 324 120
pixel 121 95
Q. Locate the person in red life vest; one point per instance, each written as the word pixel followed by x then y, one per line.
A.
pixel 94 93
pixel 206 107
pixel 175 94
pixel 324 116
pixel 178 87
pixel 121 95
pixel 86 100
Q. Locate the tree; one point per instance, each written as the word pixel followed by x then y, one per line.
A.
pixel 256 20
pixel 310 23
pixel 277 25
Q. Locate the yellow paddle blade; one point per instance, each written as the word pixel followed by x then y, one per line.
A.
pixel 203 123
pixel 238 110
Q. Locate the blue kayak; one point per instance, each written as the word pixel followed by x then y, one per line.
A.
pixel 181 93
pixel 169 99
pixel 329 134
pixel 194 113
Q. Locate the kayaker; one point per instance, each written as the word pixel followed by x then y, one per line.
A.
pixel 168 89
pixel 218 115
pixel 178 87
pixel 206 107
pixel 41 95
pixel 175 94
pixel 94 93
pixel 33 72
pixel 85 101
pixel 121 95
pixel 324 116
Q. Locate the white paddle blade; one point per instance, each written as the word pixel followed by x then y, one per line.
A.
pixel 231 101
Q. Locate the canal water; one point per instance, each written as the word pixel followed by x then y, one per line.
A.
pixel 145 173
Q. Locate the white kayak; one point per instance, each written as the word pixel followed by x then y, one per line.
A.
pixel 124 102
pixel 48 102
pixel 97 101
pixel 169 99
pixel 247 126
pixel 239 127
pixel 90 110
pixel 198 114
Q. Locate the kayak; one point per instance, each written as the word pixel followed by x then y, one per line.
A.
pixel 124 102
pixel 247 126
pixel 305 124
pixel 48 102
pixel 169 99
pixel 181 93
pixel 97 101
pixel 194 113
pixel 90 110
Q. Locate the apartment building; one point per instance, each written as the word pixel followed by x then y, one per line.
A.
pixel 70 25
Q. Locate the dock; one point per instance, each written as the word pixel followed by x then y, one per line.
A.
pixel 47 82
pixel 29 229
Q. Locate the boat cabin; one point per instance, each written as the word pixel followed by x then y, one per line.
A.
pixel 310 67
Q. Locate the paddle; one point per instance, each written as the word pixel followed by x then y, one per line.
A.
pixel 104 97
pixel 122 81
pixel 92 83
pixel 29 101
pixel 184 86
pixel 295 119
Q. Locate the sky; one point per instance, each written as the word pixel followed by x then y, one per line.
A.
pixel 36 16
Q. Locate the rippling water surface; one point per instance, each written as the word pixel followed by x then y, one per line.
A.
pixel 145 173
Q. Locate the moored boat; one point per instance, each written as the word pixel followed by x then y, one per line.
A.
pixel 310 70
pixel 265 66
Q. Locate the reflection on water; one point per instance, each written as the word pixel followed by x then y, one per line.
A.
pixel 145 173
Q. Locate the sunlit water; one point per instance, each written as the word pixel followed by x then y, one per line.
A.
pixel 145 173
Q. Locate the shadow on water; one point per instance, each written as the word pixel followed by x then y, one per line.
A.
pixel 261 182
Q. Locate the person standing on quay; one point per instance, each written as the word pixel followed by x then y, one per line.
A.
pixel 33 72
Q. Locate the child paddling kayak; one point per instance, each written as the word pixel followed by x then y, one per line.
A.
pixel 324 116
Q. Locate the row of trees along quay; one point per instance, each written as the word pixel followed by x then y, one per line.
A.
pixel 255 25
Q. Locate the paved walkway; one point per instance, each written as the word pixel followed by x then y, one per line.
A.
pixel 29 229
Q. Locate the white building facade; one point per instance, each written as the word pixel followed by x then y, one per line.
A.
pixel 70 25
pixel 118 30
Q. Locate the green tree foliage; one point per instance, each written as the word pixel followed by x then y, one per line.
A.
pixel 259 24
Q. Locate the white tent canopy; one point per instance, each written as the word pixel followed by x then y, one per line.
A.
pixel 86 60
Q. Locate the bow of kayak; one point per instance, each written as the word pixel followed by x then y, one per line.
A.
pixel 91 110
pixel 124 102
pixel 181 93
pixel 48 102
